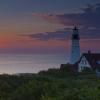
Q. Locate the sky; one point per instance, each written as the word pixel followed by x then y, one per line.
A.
pixel 45 26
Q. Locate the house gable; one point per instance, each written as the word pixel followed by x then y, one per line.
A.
pixel 83 64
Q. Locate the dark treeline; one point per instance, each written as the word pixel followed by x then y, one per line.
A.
pixel 54 84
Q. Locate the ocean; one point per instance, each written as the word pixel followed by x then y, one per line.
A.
pixel 30 63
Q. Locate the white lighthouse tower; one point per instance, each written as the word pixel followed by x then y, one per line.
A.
pixel 75 52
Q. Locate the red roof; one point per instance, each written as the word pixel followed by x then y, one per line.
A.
pixel 93 59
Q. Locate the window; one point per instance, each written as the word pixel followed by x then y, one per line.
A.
pixel 98 62
pixel 83 62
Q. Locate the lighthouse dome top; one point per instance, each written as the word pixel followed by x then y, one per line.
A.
pixel 75 28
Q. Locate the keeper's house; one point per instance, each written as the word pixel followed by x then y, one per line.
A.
pixel 89 60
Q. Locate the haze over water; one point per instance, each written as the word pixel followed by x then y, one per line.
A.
pixel 29 63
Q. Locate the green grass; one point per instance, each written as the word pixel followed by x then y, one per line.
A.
pixel 50 85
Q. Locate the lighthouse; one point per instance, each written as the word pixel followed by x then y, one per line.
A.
pixel 75 46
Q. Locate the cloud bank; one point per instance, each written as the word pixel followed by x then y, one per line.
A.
pixel 88 20
pixel 57 35
pixel 89 17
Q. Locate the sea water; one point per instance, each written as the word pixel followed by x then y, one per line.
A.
pixel 29 63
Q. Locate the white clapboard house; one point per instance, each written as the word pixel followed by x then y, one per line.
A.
pixel 89 60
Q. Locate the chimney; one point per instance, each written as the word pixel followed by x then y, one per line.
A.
pixel 89 51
